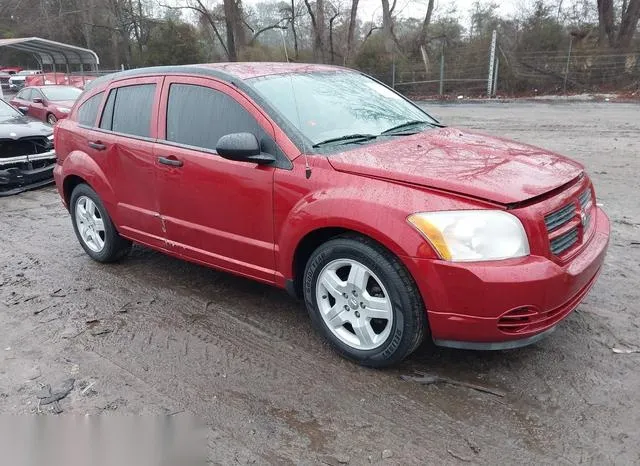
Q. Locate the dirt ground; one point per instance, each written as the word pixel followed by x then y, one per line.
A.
pixel 153 335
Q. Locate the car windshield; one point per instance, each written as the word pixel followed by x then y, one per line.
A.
pixel 61 93
pixel 7 110
pixel 339 106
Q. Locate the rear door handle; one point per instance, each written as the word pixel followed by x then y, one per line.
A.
pixel 171 161
pixel 97 145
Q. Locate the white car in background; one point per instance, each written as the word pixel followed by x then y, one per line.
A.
pixel 16 82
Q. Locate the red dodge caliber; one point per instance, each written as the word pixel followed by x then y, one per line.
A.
pixel 327 183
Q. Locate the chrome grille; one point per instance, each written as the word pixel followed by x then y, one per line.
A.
pixel 564 241
pixel 561 217
pixel 558 218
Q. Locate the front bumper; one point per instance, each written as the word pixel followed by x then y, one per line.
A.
pixel 21 173
pixel 511 303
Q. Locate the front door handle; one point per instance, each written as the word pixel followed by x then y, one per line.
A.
pixel 97 145
pixel 171 161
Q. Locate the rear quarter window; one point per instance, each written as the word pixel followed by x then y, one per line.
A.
pixel 88 110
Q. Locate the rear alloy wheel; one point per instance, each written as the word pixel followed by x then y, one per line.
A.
pixel 94 228
pixel 51 119
pixel 363 300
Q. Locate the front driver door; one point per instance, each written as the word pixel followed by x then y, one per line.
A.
pixel 214 210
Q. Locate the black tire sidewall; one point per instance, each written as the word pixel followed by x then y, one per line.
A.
pixel 113 243
pixel 401 340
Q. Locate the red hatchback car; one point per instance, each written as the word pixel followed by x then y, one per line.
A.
pixel 46 103
pixel 323 181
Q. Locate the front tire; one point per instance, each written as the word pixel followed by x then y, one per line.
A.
pixel 364 302
pixel 51 119
pixel 93 226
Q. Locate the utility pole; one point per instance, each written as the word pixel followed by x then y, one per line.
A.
pixel 492 61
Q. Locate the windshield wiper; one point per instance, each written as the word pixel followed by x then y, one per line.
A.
pixel 406 125
pixel 347 139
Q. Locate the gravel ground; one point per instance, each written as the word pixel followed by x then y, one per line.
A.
pixel 153 335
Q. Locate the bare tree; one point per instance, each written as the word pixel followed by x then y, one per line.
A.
pixel 353 19
pixel 335 15
pixel 387 25
pixel 424 33
pixel 605 15
pixel 318 26
pixel 208 17
pixel 629 24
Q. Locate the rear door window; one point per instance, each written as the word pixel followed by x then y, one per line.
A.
pixel 132 109
pixel 198 116
pixel 88 111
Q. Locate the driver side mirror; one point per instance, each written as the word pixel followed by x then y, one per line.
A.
pixel 37 100
pixel 242 147
pixel 23 110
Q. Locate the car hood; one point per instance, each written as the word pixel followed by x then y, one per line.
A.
pixel 464 162
pixel 22 127
pixel 63 103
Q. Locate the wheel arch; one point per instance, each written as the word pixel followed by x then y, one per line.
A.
pixel 78 168
pixel 314 239
pixel 69 184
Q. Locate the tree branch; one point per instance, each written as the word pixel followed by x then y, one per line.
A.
pixel 203 11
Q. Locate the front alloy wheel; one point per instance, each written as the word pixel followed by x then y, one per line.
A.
pixel 363 300
pixel 354 304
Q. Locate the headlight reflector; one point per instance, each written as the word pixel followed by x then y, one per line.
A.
pixel 473 235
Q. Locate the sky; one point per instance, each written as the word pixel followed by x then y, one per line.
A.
pixel 417 8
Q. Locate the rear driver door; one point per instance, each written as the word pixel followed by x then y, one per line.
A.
pixel 123 144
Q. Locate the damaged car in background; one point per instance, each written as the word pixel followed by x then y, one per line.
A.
pixel 27 156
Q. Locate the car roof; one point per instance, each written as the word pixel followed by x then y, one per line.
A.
pixel 227 71
pixel 48 86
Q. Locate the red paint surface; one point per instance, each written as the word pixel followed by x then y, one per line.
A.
pixel 249 219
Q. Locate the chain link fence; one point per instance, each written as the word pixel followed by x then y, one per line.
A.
pixel 480 69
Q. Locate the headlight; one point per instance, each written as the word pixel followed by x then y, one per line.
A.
pixel 63 109
pixel 50 137
pixel 473 235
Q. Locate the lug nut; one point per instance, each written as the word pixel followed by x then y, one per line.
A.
pixel 324 296
pixel 345 295
pixel 362 305
pixel 357 314
pixel 346 308
pixel 355 293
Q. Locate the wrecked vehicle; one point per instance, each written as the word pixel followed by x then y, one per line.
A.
pixel 27 156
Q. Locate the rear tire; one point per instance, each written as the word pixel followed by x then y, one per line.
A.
pixel 93 226
pixel 363 301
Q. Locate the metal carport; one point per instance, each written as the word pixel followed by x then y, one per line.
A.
pixel 61 57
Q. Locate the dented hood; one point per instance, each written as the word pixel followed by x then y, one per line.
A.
pixel 463 162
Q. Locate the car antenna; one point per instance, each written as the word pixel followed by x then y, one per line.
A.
pixel 307 168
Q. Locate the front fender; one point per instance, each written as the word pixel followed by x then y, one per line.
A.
pixel 373 207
